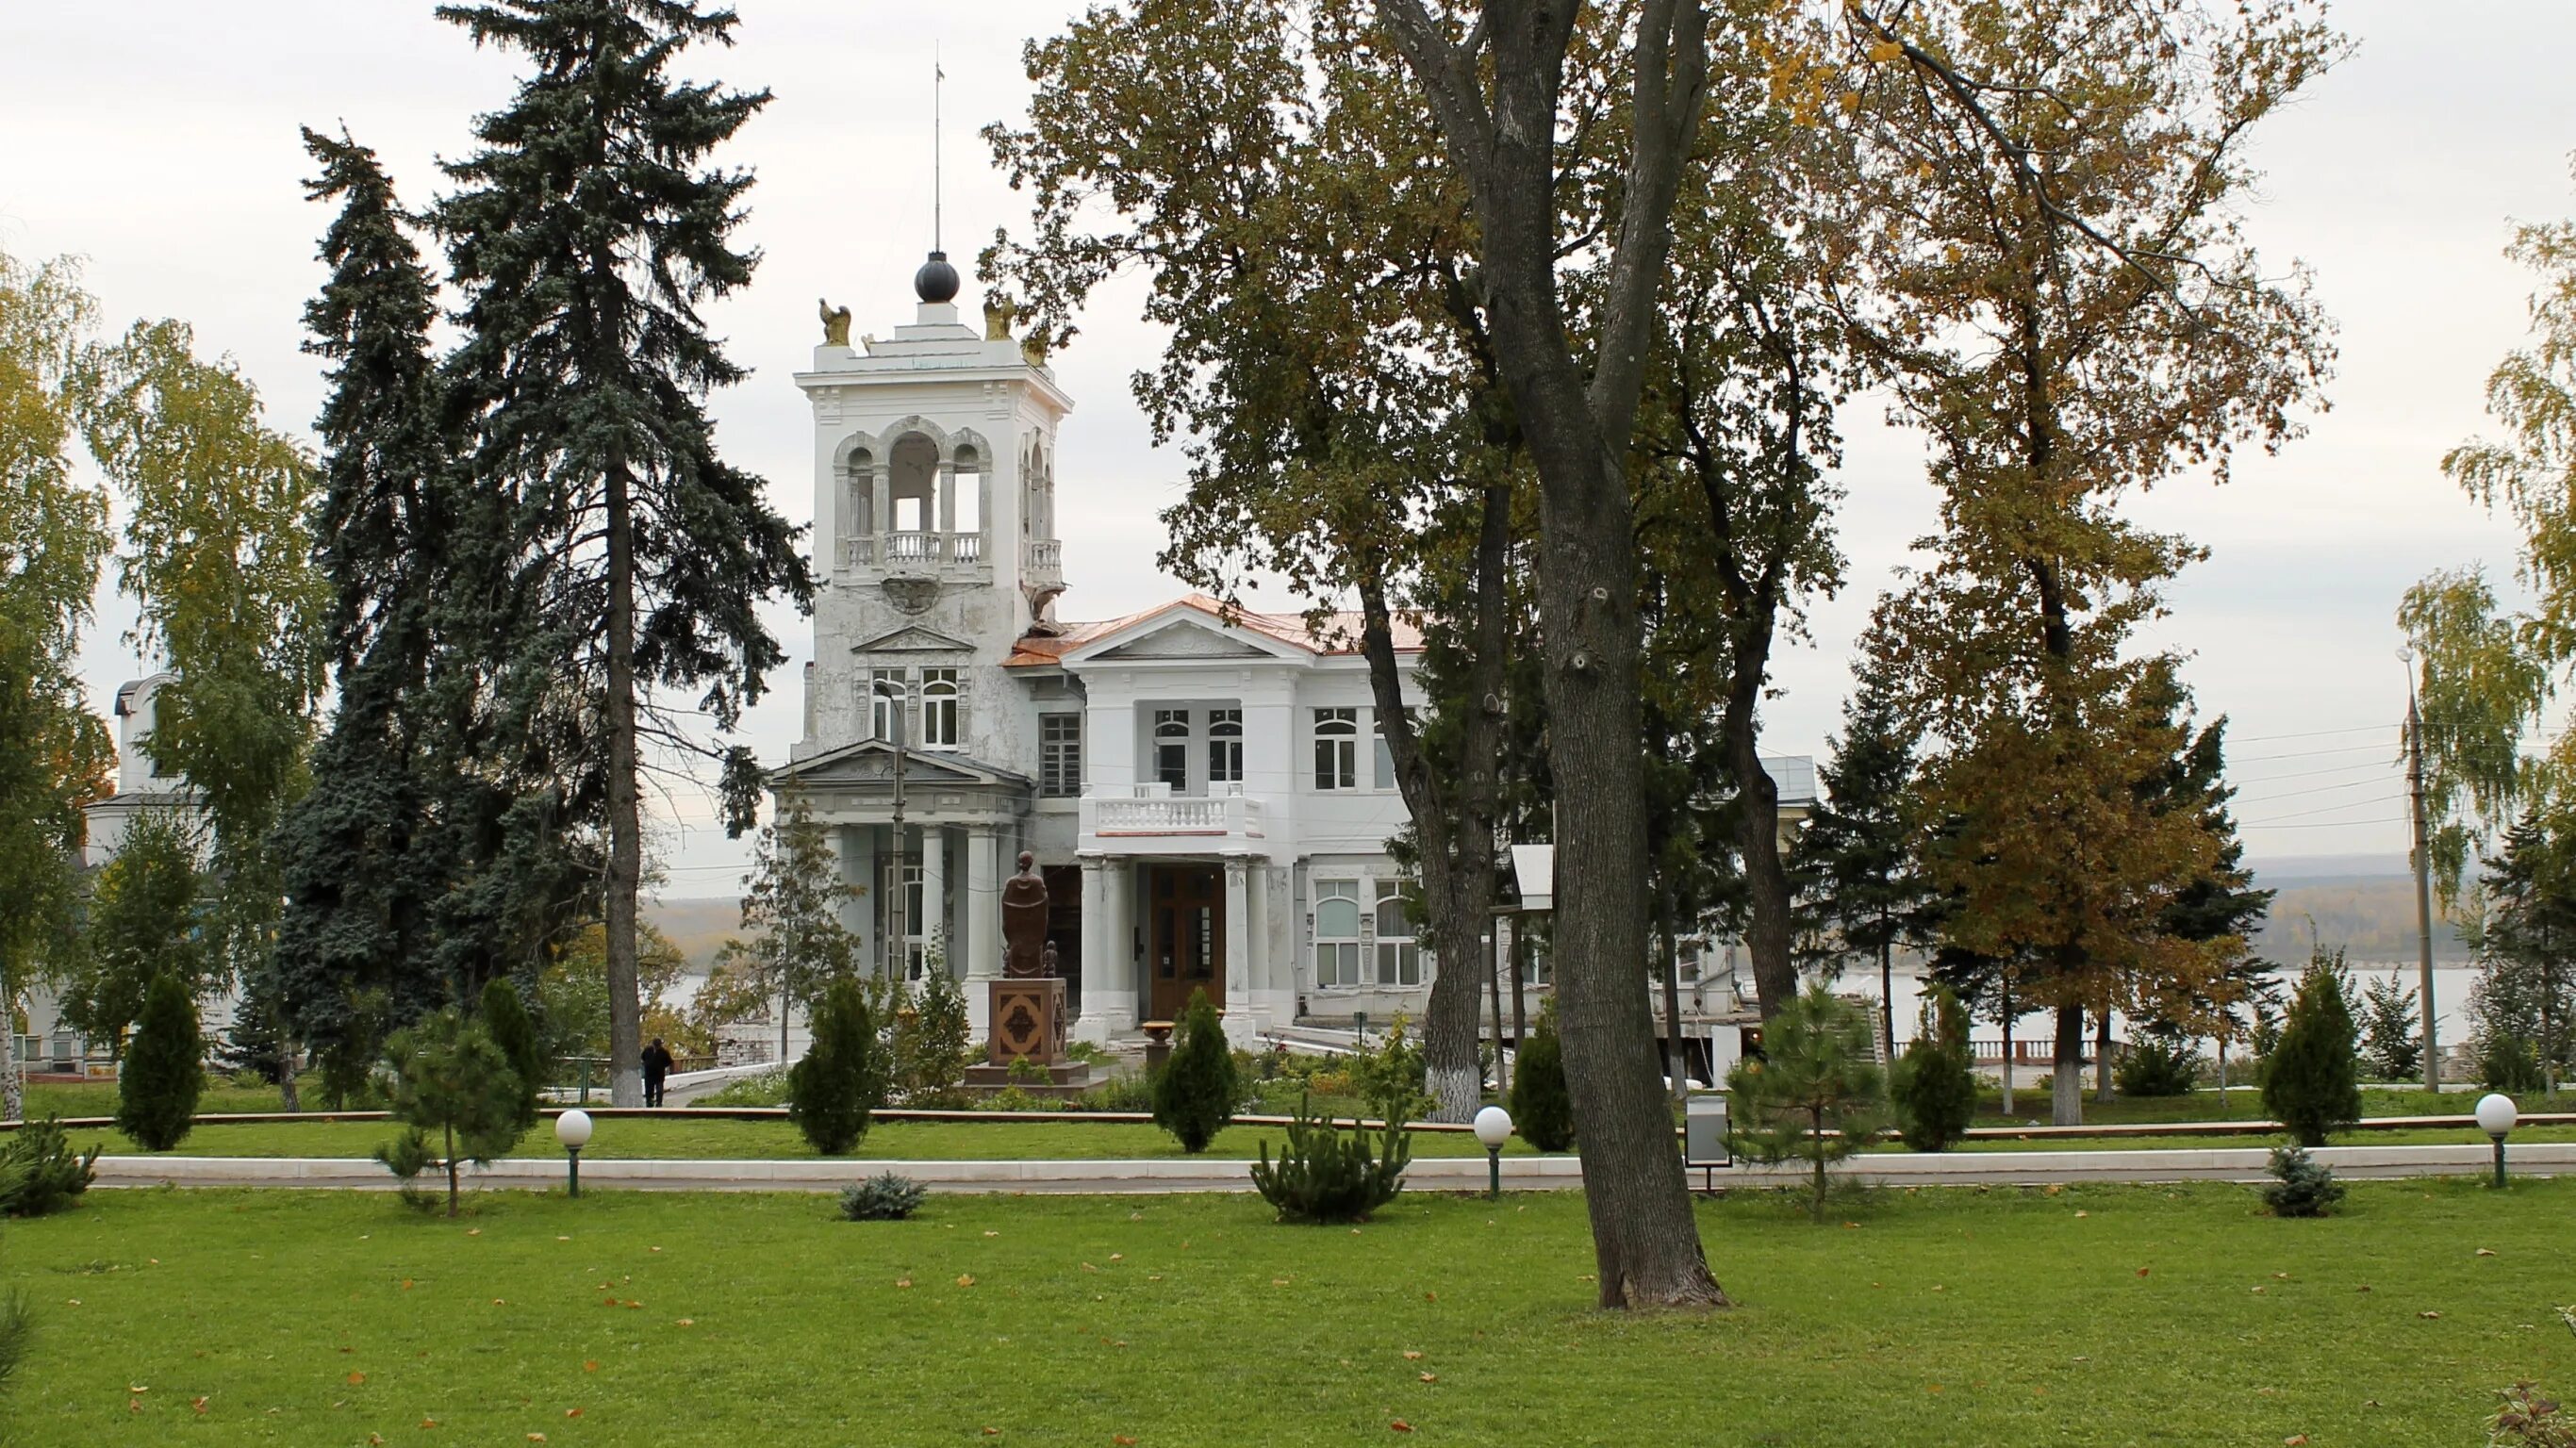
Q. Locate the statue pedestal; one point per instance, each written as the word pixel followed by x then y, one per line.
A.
pixel 1028 1020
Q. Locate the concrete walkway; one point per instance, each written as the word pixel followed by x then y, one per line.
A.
pixel 1451 1174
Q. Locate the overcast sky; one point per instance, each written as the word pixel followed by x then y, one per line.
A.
pixel 157 140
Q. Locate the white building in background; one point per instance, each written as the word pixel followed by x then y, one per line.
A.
pixel 1206 794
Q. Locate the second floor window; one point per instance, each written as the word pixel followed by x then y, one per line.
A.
pixel 1225 747
pixel 939 712
pixel 885 705
pixel 1172 748
pixel 1337 748
pixel 1060 754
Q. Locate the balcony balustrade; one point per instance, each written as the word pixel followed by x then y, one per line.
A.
pixel 911 549
pixel 1149 812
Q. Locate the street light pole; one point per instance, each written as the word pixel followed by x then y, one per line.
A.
pixel 2423 874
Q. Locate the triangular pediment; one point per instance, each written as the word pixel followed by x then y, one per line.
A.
pixel 872 762
pixel 1184 639
pixel 912 639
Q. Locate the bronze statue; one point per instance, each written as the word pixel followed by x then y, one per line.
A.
pixel 1024 922
pixel 836 323
pixel 998 311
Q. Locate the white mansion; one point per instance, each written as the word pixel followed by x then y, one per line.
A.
pixel 1205 794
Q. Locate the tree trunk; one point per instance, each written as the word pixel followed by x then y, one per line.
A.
pixel 1676 1069
pixel 625 822
pixel 13 1089
pixel 290 1095
pixel 1887 999
pixel 1645 1240
pixel 2008 1048
pixel 1757 828
pixel 2102 1059
pixel 450 1130
pixel 2066 1067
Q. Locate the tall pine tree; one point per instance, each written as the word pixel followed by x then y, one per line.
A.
pixel 362 867
pixel 586 234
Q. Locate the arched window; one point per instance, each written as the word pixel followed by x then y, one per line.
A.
pixel 1399 954
pixel 1337 933
pixel 941 726
pixel 859 488
pixel 1225 748
pixel 966 506
pixel 1337 748
pixel 1172 748
pixel 912 490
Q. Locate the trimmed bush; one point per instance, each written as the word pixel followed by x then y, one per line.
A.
pixel 1934 1084
pixel 1196 1091
pixel 2312 1080
pixel 842 1077
pixel 39 1171
pixel 1324 1177
pixel 2305 1187
pixel 164 1070
pixel 2156 1067
pixel 507 1019
pixel 1541 1106
pixel 885 1197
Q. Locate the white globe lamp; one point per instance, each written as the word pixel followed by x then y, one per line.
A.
pixel 1493 1128
pixel 573 1129
pixel 2496 1116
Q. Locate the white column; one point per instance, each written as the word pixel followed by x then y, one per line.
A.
pixel 880 508
pixel 1273 1011
pixel 983 905
pixel 1121 999
pixel 934 891
pixel 1097 981
pixel 947 499
pixel 1239 981
pixel 856 846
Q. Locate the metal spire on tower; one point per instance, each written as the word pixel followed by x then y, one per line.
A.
pixel 937 281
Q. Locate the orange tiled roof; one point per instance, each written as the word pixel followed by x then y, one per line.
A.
pixel 1340 632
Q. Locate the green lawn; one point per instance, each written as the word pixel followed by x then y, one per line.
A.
pixel 2095 1316
pixel 2031 1108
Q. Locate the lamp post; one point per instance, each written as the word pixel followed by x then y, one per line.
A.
pixel 1493 1128
pixel 573 1130
pixel 2496 1117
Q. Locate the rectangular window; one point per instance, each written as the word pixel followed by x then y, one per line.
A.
pixel 912 938
pixel 1399 955
pixel 1337 932
pixel 1060 754
pixel 940 722
pixel 1337 748
pixel 1225 748
pixel 1172 748
pixel 1385 756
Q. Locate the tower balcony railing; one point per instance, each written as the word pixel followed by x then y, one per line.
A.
pixel 1046 559
pixel 1140 817
pixel 894 550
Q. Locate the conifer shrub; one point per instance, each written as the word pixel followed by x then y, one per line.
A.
pixel 2312 1079
pixel 17 1335
pixel 2303 1186
pixel 1196 1091
pixel 2157 1066
pixel 164 1070
pixel 1934 1084
pixel 2508 1064
pixel 1541 1106
pixel 1817 1095
pixel 451 1078
pixel 885 1197
pixel 39 1171
pixel 1323 1176
pixel 841 1079
pixel 507 1020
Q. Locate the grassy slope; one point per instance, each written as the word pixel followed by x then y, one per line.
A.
pixel 1952 1317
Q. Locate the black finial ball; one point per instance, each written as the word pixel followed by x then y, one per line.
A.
pixel 936 282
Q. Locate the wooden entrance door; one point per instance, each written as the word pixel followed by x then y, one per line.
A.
pixel 1186 937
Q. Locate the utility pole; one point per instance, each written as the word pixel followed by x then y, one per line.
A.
pixel 898 953
pixel 2423 872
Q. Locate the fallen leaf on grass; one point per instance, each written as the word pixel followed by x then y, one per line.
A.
pixel 199 1404
pixel 134 1405
pixel 1427 1297
pixel 2280 1276
pixel 590 1365
pixel 497 1302
pixel 1117 1256
pixel 988 1232
pixel 1122 1440
pixel 429 1422
pixel 572 1412
pixel 2295 1440
pixel 686 1322
pixel 1087 1267
pixel 2258 1289
pixel 965 1279
pixel 1278 1281
pixel 2081 1215
pixel 1400 1426
pixel 2428 1315
pixel 536 1437
pixel 1412 1356
pixel 992 1432
pixel 2142 1271
pixel 1934 1388
pixel 474 1231
pixel 1431 1377
pixel 903 1282
pixel 2484 1252
pixel 354 1380
pixel 406 1284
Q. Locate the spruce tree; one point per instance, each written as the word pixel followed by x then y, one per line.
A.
pixel 164 1070
pixel 842 1076
pixel 1542 1108
pixel 587 235
pixel 2312 1079
pixel 453 1079
pixel 1859 847
pixel 1196 1091
pixel 1815 1095
pixel 1934 1084
pixel 516 1035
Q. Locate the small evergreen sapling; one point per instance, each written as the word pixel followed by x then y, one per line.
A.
pixel 164 1070
pixel 885 1197
pixel 2305 1186
pixel 39 1171
pixel 1196 1091
pixel 1934 1084
pixel 2388 1030
pixel 1325 1177
pixel 1542 1107
pixel 1818 1094
pixel 453 1079
pixel 841 1079
pixel 2312 1079
pixel 516 1035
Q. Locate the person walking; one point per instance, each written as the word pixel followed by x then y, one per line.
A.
pixel 657 1064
